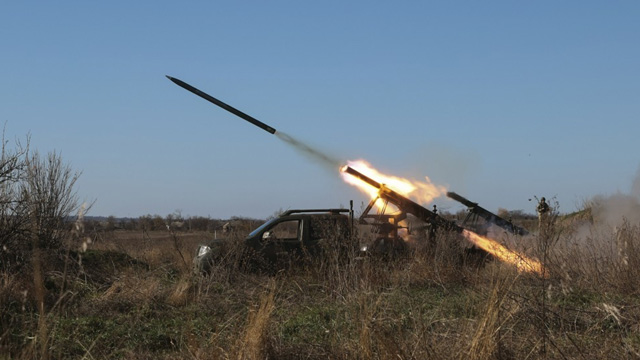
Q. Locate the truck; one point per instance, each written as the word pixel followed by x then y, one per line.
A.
pixel 292 237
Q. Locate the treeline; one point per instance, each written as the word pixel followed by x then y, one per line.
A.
pixel 178 223
pixel 173 222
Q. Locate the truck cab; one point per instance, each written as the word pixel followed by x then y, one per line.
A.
pixel 293 236
pixel 299 233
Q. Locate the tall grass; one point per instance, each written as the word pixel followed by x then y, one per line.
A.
pixel 132 296
pixel 254 342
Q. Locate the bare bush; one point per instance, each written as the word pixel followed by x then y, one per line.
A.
pixel 50 198
pixel 12 205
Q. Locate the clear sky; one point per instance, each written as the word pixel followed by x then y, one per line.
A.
pixel 498 100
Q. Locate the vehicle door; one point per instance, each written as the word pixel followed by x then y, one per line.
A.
pixel 327 233
pixel 282 242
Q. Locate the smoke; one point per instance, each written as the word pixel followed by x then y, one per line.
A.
pixel 611 213
pixel 328 161
pixel 445 164
pixel 612 228
pixel 613 210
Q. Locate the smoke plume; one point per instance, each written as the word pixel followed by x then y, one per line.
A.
pixel 613 210
pixel 324 159
pixel 609 234
pixel 610 213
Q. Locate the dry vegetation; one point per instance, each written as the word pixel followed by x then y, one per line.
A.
pixel 133 295
pixel 69 290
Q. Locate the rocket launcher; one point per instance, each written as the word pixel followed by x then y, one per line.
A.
pixel 479 211
pixel 405 205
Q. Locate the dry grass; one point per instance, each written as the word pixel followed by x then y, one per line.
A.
pixel 131 296
pixel 254 342
pixel 487 340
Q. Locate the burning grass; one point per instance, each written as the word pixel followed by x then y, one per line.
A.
pixel 132 297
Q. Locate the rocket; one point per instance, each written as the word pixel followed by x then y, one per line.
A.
pixel 221 104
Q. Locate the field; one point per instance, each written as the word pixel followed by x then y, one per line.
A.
pixel 132 294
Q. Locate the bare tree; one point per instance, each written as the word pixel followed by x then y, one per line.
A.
pixel 49 197
pixel 12 210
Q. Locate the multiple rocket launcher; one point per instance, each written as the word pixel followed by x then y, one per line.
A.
pixel 405 205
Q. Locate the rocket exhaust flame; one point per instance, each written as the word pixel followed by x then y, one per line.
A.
pixel 422 191
pixel 369 180
pixel 520 261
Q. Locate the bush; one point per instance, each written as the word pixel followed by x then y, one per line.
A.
pixel 36 201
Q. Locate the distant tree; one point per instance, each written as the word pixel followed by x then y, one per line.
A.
pixel 145 222
pixel 92 225
pixel 158 223
pixel 514 214
pixel 111 223
pixel 128 224
pixel 201 223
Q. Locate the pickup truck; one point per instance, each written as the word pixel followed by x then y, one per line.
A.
pixel 293 236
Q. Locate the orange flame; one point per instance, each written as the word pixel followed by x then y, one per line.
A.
pixel 521 262
pixel 420 191
pixel 425 192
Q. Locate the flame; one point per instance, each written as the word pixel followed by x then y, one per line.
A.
pixel 425 192
pixel 420 191
pixel 521 262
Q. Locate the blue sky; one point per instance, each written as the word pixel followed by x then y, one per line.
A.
pixel 499 101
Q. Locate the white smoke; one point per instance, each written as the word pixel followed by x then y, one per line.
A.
pixel 611 218
pixel 613 210
pixel 328 161
pixel 603 244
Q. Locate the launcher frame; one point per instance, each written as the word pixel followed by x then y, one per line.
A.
pixel 388 224
pixel 476 211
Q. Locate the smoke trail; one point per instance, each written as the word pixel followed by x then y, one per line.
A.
pixel 329 161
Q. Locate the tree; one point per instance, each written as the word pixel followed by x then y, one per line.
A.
pixel 36 202
pixel 49 197
pixel 13 217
